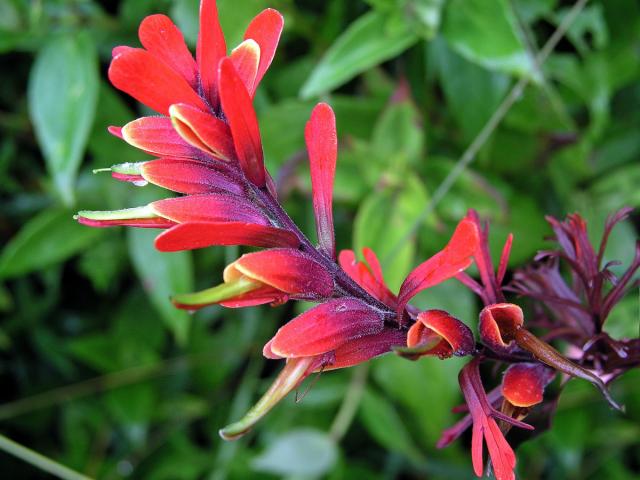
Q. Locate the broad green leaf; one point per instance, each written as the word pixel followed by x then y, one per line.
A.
pixel 370 40
pixel 381 419
pixel 383 223
pixel 398 136
pixel 298 452
pixel 63 90
pixel 472 92
pixel 486 32
pixel 162 275
pixel 48 238
pixel 427 388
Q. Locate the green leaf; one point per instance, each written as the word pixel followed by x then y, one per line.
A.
pixel 234 17
pixel 384 424
pixel 63 90
pixel 383 222
pixel 427 388
pixel 370 40
pixel 486 32
pixel 48 238
pixel 162 275
pixel 398 136
pixel 298 452
pixel 472 92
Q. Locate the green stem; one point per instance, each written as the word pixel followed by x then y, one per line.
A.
pixel 40 461
pixel 350 404
pixel 478 142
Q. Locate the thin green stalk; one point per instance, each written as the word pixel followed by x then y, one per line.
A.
pixel 351 402
pixel 39 461
pixel 472 150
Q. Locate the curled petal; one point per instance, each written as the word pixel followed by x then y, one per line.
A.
pixel 152 82
pixel 157 136
pixel 326 327
pixel 322 144
pixel 498 325
pixel 285 269
pixel 265 29
pixel 189 176
pixel 210 48
pixel 192 235
pixel 203 131
pixel 160 36
pixel 243 122
pixel 442 335
pixel 246 58
pixel 454 258
pixel 523 383
pixel 212 207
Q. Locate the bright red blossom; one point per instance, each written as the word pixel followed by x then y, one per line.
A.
pixel 208 146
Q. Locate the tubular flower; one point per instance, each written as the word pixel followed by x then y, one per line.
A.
pixel 485 428
pixel 435 332
pixel 207 140
pixel 501 326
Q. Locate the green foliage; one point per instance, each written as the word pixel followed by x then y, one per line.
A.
pixel 101 373
pixel 63 88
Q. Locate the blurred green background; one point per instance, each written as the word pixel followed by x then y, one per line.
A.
pixel 102 374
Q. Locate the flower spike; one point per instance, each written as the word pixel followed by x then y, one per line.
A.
pixel 322 144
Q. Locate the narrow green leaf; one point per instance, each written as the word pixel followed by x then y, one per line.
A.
pixel 485 32
pixel 383 423
pixel 63 89
pixel 48 238
pixel 370 40
pixel 472 92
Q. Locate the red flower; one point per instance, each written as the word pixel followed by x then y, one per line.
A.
pixel 209 149
pixel 483 418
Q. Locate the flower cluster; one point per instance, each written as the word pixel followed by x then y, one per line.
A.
pixel 208 148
